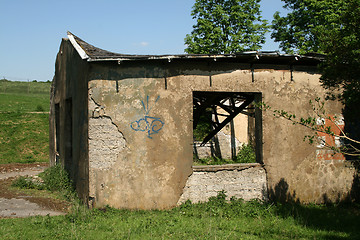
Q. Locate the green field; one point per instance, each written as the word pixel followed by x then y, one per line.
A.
pixel 216 219
pixel 24 121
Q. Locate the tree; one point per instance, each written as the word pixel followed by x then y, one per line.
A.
pixel 226 26
pixel 331 27
pixel 303 28
pixel 341 69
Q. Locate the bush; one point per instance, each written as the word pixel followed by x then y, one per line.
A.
pixel 246 154
pixel 39 108
pixel 56 179
pixel 204 126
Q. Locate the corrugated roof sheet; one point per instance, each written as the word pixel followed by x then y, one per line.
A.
pixel 93 54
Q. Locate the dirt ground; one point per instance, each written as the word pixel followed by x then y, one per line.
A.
pixel 8 172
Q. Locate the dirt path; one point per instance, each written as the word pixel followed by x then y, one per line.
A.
pixel 13 170
pixel 14 203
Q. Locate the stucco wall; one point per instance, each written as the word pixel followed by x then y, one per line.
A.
pixel 150 106
pixel 150 170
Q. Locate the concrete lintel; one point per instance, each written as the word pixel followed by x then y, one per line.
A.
pixel 226 167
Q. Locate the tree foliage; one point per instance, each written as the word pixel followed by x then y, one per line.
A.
pixel 331 27
pixel 341 69
pixel 226 26
pixel 302 30
pixel 342 46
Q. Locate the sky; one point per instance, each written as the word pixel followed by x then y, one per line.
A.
pixel 31 30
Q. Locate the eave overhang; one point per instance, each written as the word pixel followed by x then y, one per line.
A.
pixel 93 54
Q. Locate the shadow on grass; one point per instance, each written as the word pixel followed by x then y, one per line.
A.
pixel 340 216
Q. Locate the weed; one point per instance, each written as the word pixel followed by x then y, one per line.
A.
pixel 57 179
pixel 78 211
pixel 39 108
pixel 53 179
pixel 246 154
pixel 28 183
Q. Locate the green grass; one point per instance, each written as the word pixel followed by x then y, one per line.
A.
pixel 11 87
pixel 13 102
pixel 216 219
pixel 246 154
pixel 24 134
pixel 24 137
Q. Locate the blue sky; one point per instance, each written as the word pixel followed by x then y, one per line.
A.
pixel 31 30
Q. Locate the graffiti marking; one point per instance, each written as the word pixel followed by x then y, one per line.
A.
pixel 148 124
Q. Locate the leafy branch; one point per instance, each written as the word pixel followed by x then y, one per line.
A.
pixel 317 124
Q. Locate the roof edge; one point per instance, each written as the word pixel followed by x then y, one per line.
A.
pixel 77 47
pixel 94 54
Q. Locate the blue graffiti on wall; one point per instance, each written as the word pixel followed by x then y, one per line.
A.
pixel 148 124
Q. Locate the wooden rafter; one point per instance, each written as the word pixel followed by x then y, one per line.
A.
pixel 225 100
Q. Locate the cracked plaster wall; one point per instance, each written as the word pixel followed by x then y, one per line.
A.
pixel 142 173
pixel 152 167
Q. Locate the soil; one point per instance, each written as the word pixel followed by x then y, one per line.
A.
pixel 8 172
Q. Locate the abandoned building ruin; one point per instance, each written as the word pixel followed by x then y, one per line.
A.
pixel 122 125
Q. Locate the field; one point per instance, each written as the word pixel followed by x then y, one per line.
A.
pixel 24 119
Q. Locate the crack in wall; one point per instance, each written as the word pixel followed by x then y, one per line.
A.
pixel 99 111
pixel 106 141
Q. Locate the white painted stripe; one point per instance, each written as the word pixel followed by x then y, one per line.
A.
pixel 81 52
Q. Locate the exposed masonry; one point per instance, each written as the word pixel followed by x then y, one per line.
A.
pixel 105 139
pixel 245 181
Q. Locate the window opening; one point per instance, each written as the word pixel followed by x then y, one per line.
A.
pixel 218 120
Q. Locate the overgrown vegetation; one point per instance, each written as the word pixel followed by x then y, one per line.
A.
pixel 28 183
pixel 216 219
pixel 246 154
pixel 24 132
pixel 203 128
pixel 53 179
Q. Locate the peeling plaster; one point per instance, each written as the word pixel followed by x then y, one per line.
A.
pixel 106 141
